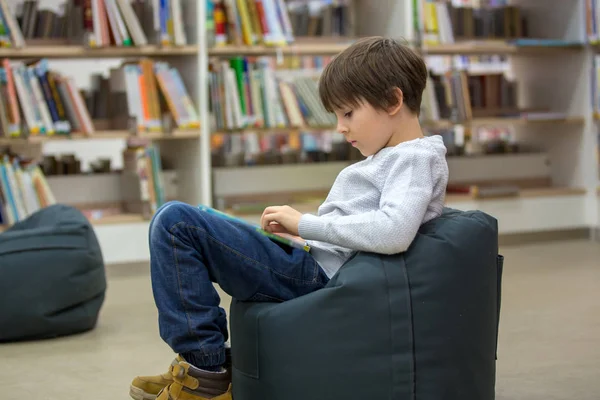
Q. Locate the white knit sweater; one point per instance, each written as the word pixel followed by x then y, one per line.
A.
pixel 378 204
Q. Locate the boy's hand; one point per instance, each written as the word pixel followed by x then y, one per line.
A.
pixel 279 230
pixel 275 218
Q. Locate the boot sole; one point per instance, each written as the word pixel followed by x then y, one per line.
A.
pixel 138 394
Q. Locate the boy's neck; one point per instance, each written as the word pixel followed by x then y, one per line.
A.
pixel 409 128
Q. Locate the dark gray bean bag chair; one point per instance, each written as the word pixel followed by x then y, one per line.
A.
pixel 421 325
pixel 52 277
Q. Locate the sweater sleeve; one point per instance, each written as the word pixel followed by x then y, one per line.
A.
pixel 405 197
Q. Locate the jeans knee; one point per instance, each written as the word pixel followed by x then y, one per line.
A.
pixel 165 217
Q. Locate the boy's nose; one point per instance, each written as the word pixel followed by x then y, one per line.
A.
pixel 341 129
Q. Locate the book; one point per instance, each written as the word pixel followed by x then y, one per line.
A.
pixel 277 238
pixel 23 189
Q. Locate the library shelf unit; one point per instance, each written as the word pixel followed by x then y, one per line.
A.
pixel 556 77
pixel 552 73
pixel 519 213
pixel 122 236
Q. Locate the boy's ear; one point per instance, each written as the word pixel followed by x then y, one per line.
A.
pixel 393 110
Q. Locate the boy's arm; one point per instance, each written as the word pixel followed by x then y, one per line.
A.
pixel 405 197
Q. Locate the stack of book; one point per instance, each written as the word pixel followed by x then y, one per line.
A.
pixel 247 22
pixel 458 96
pixel 465 88
pixel 37 101
pixel 98 23
pixel 322 18
pixel 251 148
pixel 450 21
pixel 253 93
pixel 277 22
pixel 23 190
pixel 149 91
pixel 142 184
pixel 479 141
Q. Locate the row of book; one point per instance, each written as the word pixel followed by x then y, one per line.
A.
pixel 37 22
pixel 123 23
pixel 276 22
pixel 480 64
pixel 96 23
pixel 23 190
pixel 35 100
pixel 462 88
pixel 461 141
pixel 38 101
pixel 148 91
pixel 322 18
pixel 254 92
pixel 458 96
pixel 449 21
pixel 248 22
pixel 252 148
pixel 142 184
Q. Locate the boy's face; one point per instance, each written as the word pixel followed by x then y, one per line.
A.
pixel 366 128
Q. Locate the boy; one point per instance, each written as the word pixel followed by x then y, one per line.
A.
pixel 376 205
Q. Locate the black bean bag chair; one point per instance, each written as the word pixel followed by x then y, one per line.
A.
pixel 421 325
pixel 52 277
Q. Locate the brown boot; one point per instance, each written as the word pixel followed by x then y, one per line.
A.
pixel 148 387
pixel 191 383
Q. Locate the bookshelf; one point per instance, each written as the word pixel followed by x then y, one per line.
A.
pixel 73 55
pixel 551 114
pixel 559 174
pixel 549 69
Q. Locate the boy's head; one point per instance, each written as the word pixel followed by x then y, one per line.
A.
pixel 370 86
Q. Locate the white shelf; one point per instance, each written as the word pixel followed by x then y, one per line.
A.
pixel 103 135
pixel 498 47
pixel 540 210
pixel 534 212
pixel 294 49
pixel 569 143
pixel 71 51
pixel 124 242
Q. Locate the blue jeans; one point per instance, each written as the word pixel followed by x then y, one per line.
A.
pixel 190 249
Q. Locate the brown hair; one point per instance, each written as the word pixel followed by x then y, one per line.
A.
pixel 370 70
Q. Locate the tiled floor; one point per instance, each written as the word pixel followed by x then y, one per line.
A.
pixel 549 340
